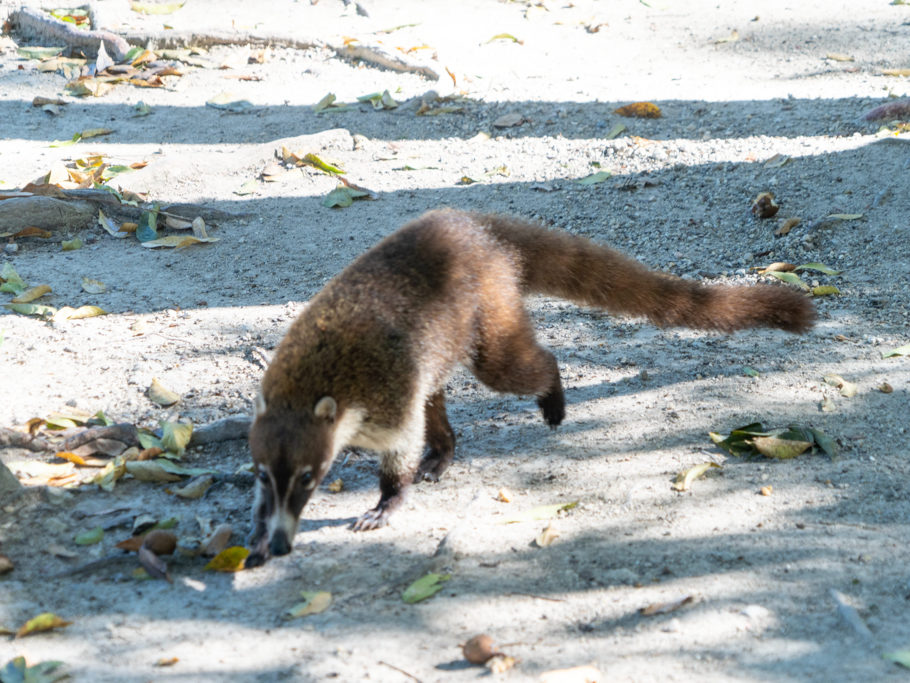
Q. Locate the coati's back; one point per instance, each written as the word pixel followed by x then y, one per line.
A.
pixel 401 313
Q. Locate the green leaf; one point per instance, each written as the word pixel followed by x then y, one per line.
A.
pixel 325 102
pixel 90 537
pixel 147 440
pixel 901 657
pixel 39 52
pixel 12 283
pixel 825 290
pixel 778 448
pixel 175 436
pixel 750 372
pixel 39 310
pixel 825 442
pixel 314 160
pixel 615 131
pixel 17 671
pixel 424 587
pixel 594 178
pixel 150 470
pixel 790 278
pixel 539 513
pixel 820 267
pixel 66 143
pixel 174 468
pixel 899 351
pixel 148 226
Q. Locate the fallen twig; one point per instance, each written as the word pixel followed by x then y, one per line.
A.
pixel 38 24
pixel 10 438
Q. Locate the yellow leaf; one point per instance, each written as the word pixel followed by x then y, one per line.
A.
pixel 229 560
pixel 177 241
pixel 640 110
pixel 156 7
pixel 43 622
pixel 31 294
pixel 314 602
pixel 685 478
pixel 68 313
pixel 95 132
pixel 71 457
pixel 825 290
pixel 161 395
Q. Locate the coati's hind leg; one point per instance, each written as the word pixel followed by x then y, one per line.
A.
pixel 440 440
pixel 510 360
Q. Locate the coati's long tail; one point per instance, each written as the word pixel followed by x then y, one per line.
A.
pixel 575 268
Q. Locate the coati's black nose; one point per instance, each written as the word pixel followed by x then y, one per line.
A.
pixel 279 544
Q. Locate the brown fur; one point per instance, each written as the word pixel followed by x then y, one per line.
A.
pixel 382 338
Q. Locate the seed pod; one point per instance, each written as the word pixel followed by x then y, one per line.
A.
pixel 479 649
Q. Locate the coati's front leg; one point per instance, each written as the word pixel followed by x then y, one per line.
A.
pixel 392 486
pixel 440 440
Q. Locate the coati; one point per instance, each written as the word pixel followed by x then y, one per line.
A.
pixel 366 362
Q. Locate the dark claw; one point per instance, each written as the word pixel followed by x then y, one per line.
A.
pixel 372 519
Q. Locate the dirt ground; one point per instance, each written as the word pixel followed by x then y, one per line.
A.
pixel 756 96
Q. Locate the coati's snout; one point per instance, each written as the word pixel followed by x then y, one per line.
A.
pixel 289 466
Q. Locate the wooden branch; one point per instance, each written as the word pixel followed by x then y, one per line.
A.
pixel 38 24
pixel 48 213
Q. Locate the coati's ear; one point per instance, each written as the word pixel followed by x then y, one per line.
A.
pixel 326 408
pixel 259 403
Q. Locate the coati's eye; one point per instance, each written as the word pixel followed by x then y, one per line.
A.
pixel 305 479
pixel 263 476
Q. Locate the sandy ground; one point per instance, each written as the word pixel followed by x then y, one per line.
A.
pixel 641 401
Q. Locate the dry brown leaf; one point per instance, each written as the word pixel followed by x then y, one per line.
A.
pixel 336 486
pixel 6 565
pixel 154 565
pixel 218 541
pixel 764 206
pixel 167 661
pixel 160 541
pixel 504 495
pixel 885 388
pixel 786 226
pixel 31 294
pixel 766 490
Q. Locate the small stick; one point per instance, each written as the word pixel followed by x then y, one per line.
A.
pixel 539 597
pixel 401 671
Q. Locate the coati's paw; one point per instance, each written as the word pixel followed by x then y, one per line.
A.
pixel 553 407
pixel 432 467
pixel 376 518
pixel 255 559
